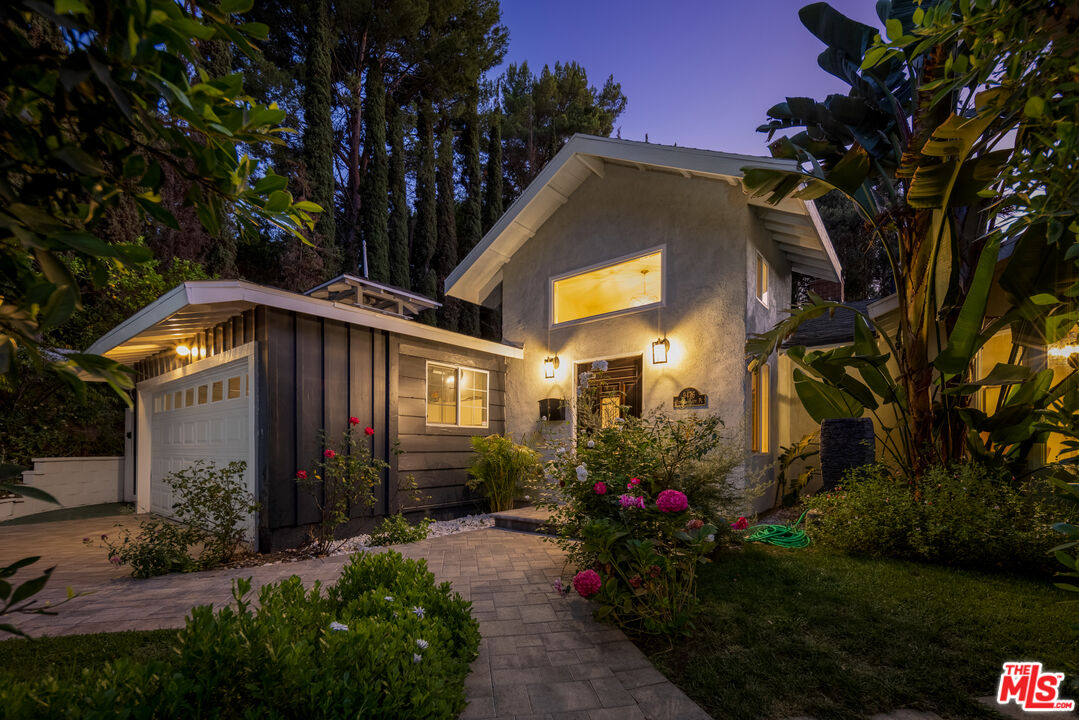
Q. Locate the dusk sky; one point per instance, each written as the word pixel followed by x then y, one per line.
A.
pixel 700 73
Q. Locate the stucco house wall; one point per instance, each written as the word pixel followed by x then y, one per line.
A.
pixel 703 225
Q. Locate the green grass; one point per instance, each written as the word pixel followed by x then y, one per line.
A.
pixel 65 657
pixel 784 633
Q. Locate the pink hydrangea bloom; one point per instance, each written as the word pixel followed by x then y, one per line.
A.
pixel 600 488
pixel 631 501
pixel 672 501
pixel 587 583
pixel 740 524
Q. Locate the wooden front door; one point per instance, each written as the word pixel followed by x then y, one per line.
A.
pixel 618 389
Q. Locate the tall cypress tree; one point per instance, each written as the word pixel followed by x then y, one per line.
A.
pixel 446 250
pixel 398 226
pixel 425 234
pixel 318 143
pixel 471 229
pixel 492 199
pixel 374 192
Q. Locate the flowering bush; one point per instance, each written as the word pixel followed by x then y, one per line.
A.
pixel 343 481
pixel 968 515
pixel 641 502
pixel 385 641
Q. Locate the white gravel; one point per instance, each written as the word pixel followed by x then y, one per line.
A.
pixel 436 529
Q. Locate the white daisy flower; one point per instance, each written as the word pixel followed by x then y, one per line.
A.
pixel 338 626
pixel 421 644
pixel 416 657
pixel 418 612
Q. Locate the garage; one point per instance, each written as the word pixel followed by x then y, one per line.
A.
pixel 206 413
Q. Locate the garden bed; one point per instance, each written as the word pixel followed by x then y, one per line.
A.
pixel 785 633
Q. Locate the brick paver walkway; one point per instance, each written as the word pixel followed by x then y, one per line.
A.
pixel 541 656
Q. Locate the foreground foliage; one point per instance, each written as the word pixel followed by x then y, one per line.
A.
pixel 965 516
pixel 384 642
pixel 65 656
pixel 785 633
pixel 502 470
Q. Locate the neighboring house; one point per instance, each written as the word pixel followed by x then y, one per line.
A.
pixel 651 258
pixel 228 370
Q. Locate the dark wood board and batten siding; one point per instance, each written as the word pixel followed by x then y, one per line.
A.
pixel 438 456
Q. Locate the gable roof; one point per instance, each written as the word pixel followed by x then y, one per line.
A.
pixel 794 224
pixel 191 307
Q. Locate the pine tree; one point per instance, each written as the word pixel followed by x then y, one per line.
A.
pixel 492 197
pixel 425 234
pixel 318 144
pixel 446 251
pixel 471 229
pixel 373 207
pixel 398 225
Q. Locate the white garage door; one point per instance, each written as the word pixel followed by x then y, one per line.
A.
pixel 203 416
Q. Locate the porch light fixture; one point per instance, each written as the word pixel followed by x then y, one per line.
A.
pixel 550 364
pixel 659 350
pixel 183 350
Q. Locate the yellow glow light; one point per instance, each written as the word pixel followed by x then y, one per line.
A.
pixel 183 350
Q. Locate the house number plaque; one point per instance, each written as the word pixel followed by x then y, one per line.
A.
pixel 690 398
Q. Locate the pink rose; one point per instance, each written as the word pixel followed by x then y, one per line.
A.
pixel 369 431
pixel 600 488
pixel 353 420
pixel 587 583
pixel 329 454
pixel 301 474
pixel 672 501
pixel 633 482
pixel 740 524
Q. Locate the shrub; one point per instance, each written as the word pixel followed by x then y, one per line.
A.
pixel 502 470
pixel 642 501
pixel 212 506
pixel 395 530
pixel 342 481
pixel 384 642
pixel 968 515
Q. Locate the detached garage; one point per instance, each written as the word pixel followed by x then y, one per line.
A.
pixel 228 370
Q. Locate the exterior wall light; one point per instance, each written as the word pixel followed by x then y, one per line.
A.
pixel 550 364
pixel 183 350
pixel 659 350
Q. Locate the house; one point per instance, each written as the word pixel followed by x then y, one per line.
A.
pixel 646 256
pixel 229 370
pixel 651 258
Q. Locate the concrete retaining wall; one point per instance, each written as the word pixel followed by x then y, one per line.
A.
pixel 72 481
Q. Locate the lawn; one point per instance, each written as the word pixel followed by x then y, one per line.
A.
pixel 65 657
pixel 784 633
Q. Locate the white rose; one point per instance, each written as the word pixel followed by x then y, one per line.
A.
pixel 582 473
pixel 591 443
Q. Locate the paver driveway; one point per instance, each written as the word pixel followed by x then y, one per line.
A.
pixel 541 656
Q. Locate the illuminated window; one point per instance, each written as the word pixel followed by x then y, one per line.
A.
pixel 217 392
pixel 234 387
pixel 998 349
pixel 623 286
pixel 761 409
pixel 203 395
pixel 177 400
pixel 457 396
pixel 762 280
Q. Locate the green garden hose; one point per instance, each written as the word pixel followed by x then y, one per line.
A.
pixel 781 535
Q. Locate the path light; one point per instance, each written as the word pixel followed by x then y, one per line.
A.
pixel 183 350
pixel 659 350
pixel 550 364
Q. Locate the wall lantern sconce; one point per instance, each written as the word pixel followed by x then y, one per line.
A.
pixel 550 364
pixel 659 350
pixel 183 350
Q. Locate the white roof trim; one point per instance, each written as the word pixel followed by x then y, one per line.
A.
pixel 473 279
pixel 199 297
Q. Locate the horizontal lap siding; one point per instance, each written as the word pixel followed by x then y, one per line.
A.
pixel 438 457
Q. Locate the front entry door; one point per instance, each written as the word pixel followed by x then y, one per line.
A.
pixel 618 389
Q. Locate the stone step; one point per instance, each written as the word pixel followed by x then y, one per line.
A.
pixel 526 519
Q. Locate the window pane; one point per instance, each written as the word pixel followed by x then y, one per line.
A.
pixel 218 391
pixel 202 394
pixel 234 388
pixel 441 395
pixel 177 400
pixel 621 286
pixel 190 397
pixel 474 398
pixel 762 278
pixel 168 402
pixel 765 412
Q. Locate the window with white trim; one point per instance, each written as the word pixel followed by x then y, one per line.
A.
pixel 622 286
pixel 457 396
pixel 762 279
pixel 761 400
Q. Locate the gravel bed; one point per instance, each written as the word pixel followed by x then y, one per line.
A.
pixel 436 529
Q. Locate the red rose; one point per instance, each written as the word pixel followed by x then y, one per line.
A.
pixel 635 581
pixel 301 475
pixel 369 430
pixel 353 420
pixel 329 454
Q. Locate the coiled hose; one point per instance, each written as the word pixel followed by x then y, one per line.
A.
pixel 785 536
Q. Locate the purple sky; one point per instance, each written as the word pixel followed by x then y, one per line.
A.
pixel 701 73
